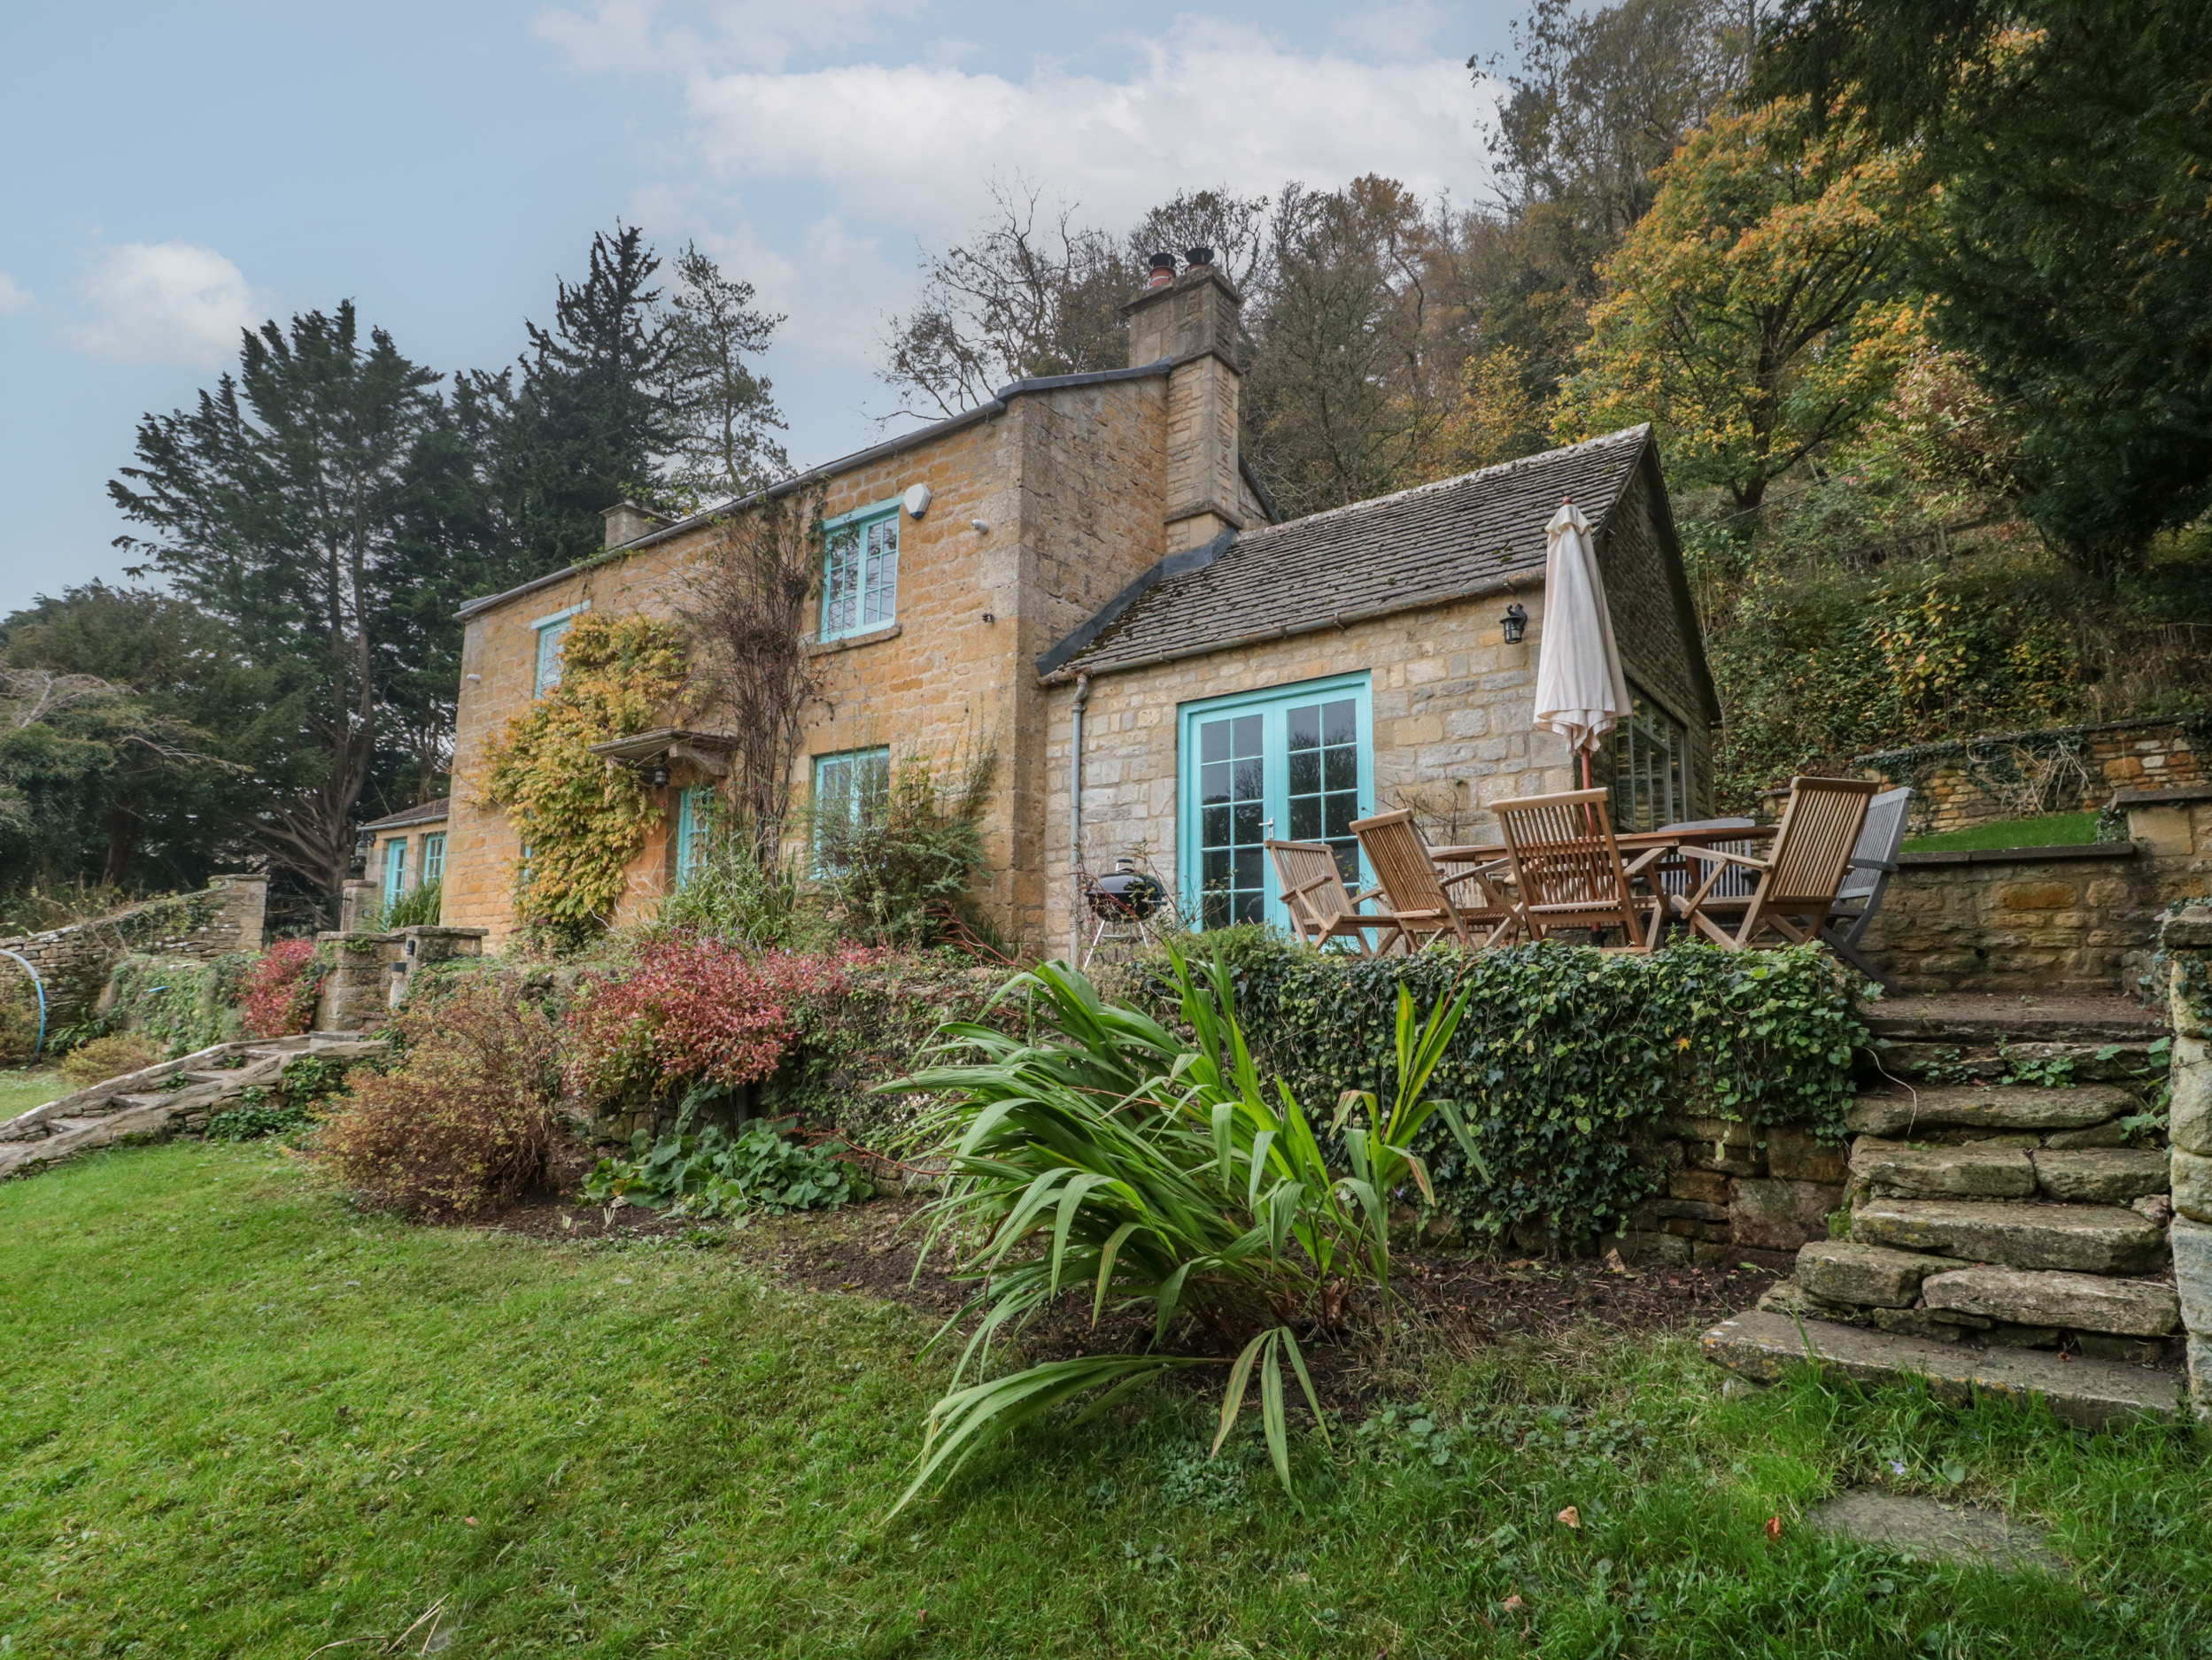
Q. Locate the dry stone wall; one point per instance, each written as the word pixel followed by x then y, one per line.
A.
pixel 73 964
pixel 2058 769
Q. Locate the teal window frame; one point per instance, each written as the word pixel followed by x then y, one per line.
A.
pixel 833 775
pixel 434 857
pixel 551 631
pixel 1271 708
pixel 860 571
pixel 395 867
pixel 694 829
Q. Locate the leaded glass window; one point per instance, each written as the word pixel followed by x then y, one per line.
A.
pixel 1650 768
pixel 859 582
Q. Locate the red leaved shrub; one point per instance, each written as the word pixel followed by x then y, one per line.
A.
pixel 695 1011
pixel 468 1116
pixel 279 990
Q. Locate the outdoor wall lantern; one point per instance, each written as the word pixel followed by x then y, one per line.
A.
pixel 659 777
pixel 1515 622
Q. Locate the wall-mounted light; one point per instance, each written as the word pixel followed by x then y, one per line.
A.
pixel 917 501
pixel 659 777
pixel 1515 622
pixel 982 526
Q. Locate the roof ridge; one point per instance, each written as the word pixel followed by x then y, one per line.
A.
pixel 1438 484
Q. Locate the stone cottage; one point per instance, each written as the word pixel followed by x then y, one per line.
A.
pixel 1084 575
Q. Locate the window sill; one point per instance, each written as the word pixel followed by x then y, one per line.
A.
pixel 846 643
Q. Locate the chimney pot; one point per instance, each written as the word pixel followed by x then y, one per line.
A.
pixel 1200 255
pixel 1163 269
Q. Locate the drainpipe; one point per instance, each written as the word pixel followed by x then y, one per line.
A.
pixel 1075 816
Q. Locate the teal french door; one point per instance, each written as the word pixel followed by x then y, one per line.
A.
pixel 1292 763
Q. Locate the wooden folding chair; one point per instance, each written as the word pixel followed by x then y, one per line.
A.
pixel 1569 870
pixel 1798 873
pixel 1419 899
pixel 1322 908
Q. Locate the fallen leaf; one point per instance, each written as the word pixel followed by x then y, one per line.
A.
pixel 1515 1604
pixel 1773 1527
pixel 470 1520
pixel 1571 1517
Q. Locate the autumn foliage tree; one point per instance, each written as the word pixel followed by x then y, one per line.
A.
pixel 1756 312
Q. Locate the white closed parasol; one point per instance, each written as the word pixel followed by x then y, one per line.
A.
pixel 1580 693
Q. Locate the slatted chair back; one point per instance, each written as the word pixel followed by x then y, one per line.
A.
pixel 1394 847
pixel 1813 845
pixel 1562 849
pixel 1312 887
pixel 1874 855
pixel 1676 877
pixel 1567 867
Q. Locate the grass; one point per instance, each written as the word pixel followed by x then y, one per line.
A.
pixel 24 1087
pixel 2055 830
pixel 238 1419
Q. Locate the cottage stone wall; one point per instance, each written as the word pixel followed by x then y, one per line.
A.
pixel 73 964
pixel 1655 625
pixel 1068 484
pixel 1986 780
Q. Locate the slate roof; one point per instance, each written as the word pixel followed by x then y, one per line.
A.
pixel 1420 547
pixel 429 813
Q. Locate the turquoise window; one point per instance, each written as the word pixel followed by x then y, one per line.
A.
pixel 860 573
pixel 551 631
pixel 848 787
pixel 1293 763
pixel 434 856
pixel 395 867
pixel 694 830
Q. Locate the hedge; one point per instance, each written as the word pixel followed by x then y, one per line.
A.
pixel 1568 1060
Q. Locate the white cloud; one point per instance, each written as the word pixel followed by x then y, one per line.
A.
pixel 1407 28
pixel 917 145
pixel 13 298
pixel 628 37
pixel 164 302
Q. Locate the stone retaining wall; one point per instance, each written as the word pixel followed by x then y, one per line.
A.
pixel 368 977
pixel 2187 938
pixel 73 964
pixel 1736 1193
pixel 2004 775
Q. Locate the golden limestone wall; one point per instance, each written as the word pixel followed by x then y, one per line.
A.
pixel 1068 485
pixel 1453 707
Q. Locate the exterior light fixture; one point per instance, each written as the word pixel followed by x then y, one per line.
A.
pixel 659 777
pixel 1515 622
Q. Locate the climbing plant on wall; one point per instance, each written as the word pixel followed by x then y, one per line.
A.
pixel 581 821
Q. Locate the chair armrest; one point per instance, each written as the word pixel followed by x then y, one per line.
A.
pixel 1473 875
pixel 1719 857
pixel 1636 866
pixel 1365 894
pixel 1890 865
pixel 1306 887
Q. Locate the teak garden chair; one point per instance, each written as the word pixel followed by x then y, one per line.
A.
pixel 1873 862
pixel 1798 873
pixel 1569 871
pixel 1322 908
pixel 1418 899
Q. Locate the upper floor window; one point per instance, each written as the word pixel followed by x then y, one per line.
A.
pixel 1650 768
pixel 860 575
pixel 551 631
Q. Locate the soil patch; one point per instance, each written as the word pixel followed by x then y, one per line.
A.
pixel 1928 1530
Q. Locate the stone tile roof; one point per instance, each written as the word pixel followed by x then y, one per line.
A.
pixel 1420 547
pixel 429 813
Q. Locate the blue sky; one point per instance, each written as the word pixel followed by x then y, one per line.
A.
pixel 172 171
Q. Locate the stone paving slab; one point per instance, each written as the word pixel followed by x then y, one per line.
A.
pixel 2081 1302
pixel 1932 1530
pixel 2101 1175
pixel 2087 1393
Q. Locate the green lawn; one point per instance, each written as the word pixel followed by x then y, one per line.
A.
pixel 2054 830
pixel 240 1419
pixel 22 1088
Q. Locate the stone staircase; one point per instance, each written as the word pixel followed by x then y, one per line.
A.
pixel 2003 1235
pixel 176 1097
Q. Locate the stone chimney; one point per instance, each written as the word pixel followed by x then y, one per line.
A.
pixel 1191 322
pixel 626 522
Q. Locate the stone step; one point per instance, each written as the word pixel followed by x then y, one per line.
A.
pixel 2087 1393
pixel 1975 1171
pixel 2076 1238
pixel 2081 1303
pixel 1970 1018
pixel 2133 1062
pixel 2101 1175
pixel 1993 1107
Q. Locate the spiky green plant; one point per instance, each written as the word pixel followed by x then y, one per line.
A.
pixel 1112 1157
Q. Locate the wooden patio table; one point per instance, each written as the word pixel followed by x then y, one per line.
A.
pixel 1489 853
